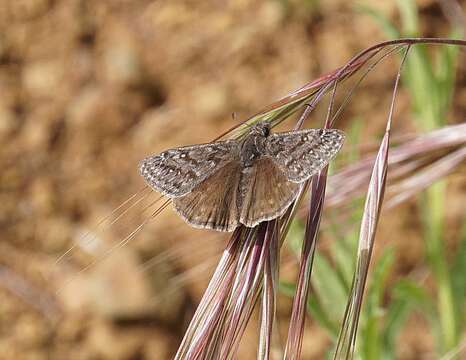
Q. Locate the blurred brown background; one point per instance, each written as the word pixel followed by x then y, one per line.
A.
pixel 88 88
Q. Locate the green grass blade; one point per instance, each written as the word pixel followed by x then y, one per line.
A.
pixel 371 335
pixel 409 18
pixel 446 74
pixel 458 279
pixel 344 252
pixel 332 292
pixel 406 295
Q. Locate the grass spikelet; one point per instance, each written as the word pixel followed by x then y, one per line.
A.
pixel 347 339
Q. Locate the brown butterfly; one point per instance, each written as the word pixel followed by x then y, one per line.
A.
pixel 223 184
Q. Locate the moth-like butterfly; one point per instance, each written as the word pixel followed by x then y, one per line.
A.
pixel 223 184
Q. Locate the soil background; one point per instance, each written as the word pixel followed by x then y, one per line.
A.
pixel 88 88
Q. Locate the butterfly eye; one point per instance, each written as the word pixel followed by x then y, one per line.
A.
pixel 265 130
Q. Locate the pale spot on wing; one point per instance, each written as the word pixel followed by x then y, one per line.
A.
pixel 301 154
pixel 177 171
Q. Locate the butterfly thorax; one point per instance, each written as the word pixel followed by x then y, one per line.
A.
pixel 253 145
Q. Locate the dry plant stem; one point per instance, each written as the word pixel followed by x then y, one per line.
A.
pixel 245 292
pixel 460 349
pixel 360 59
pixel 227 305
pixel 347 338
pixel 403 161
pixel 210 308
pixel 423 179
pixel 101 226
pixel 229 300
pixel 296 330
pixel 360 80
pixel 29 293
pixel 285 221
pixel 105 223
pixel 311 93
pixel 117 246
pixel 269 293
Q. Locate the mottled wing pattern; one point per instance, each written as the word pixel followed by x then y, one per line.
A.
pixel 213 203
pixel 265 192
pixel 175 172
pixel 301 154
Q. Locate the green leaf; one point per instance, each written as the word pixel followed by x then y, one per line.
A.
pixel 406 295
pixel 458 279
pixel 371 338
pixel 287 288
pixel 295 236
pixel 380 273
pixel 329 288
pixel 409 18
pixel 419 78
pixel 316 310
pixel 446 74
pixel 344 253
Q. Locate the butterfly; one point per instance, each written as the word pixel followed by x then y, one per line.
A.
pixel 223 184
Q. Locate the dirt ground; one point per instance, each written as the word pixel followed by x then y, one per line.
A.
pixel 87 89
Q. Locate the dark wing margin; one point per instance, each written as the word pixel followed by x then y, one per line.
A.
pixel 302 154
pixel 213 203
pixel 175 172
pixel 266 192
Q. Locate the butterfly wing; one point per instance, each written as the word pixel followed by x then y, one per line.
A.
pixel 265 192
pixel 212 204
pixel 301 154
pixel 175 172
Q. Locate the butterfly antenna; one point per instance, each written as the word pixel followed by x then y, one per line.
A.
pixel 89 236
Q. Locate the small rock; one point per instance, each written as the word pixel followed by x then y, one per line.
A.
pixel 271 14
pixel 54 234
pixel 118 288
pixel 42 79
pixel 27 9
pixel 160 345
pixel 120 59
pixel 156 125
pixel 109 343
pixel 210 100
pixel 31 331
pixel 84 106
pixel 7 122
pixel 35 136
pixel 42 196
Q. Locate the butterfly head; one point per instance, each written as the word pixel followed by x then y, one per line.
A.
pixel 261 129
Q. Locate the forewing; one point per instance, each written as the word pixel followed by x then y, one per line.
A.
pixel 175 172
pixel 301 154
pixel 265 192
pixel 213 203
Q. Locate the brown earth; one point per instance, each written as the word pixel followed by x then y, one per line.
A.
pixel 87 88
